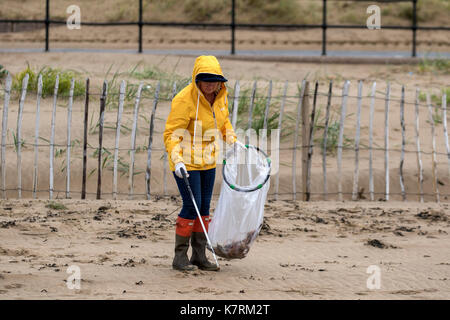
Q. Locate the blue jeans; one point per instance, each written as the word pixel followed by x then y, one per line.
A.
pixel 202 184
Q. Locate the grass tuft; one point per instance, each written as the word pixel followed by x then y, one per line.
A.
pixel 56 206
pixel 259 107
pixel 48 81
pixel 435 66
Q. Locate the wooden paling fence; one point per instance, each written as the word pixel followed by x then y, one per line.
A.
pixel 306 114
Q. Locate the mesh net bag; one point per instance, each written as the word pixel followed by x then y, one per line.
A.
pixel 239 212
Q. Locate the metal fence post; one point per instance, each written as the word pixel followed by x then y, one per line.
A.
pixel 233 26
pixel 414 28
pixel 140 26
pixel 324 28
pixel 47 23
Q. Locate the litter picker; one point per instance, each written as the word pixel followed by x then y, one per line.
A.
pixel 186 181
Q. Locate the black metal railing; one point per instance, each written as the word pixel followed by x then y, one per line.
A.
pixel 233 25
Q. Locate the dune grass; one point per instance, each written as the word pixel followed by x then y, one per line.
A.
pixel 48 81
pixel 430 12
pixel 259 107
pixel 436 66
pixel 55 205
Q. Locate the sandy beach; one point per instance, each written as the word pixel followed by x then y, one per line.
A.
pixel 319 250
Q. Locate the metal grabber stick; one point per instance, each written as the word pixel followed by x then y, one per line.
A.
pixel 186 181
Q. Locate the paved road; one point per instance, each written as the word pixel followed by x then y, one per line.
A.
pixel 261 53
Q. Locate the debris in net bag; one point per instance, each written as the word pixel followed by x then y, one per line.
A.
pixel 237 249
pixel 239 213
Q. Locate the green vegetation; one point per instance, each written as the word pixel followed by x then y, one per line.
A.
pixel 113 90
pixel 149 75
pixel 259 107
pixel 435 99
pixel 250 11
pixel 332 132
pixel 430 12
pixel 123 167
pixel 433 12
pixel 435 66
pixel 426 11
pixel 200 11
pixel 55 206
pixel 156 73
pixel 48 81
pixel 288 120
pixel 22 142
pixel 3 72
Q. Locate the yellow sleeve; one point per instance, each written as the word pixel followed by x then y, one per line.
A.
pixel 177 120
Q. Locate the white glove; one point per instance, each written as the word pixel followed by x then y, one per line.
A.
pixel 178 168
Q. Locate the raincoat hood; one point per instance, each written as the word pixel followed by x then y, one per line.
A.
pixel 206 64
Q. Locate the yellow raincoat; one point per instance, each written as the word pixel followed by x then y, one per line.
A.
pixel 190 105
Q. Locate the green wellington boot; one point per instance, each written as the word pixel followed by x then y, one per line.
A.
pixel 181 261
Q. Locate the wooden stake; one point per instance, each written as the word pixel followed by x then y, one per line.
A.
pixel 4 131
pixel 148 172
pixel 386 140
pixel 52 135
pixel 305 141
pixel 237 89
pixel 433 144
pixel 358 129
pixel 266 110
pixel 19 134
pixel 372 107
pixel 250 113
pixel 36 137
pixel 402 156
pixel 165 173
pixel 303 92
pixel 325 138
pixel 419 156
pixel 100 138
pixel 280 120
pixel 174 92
pixel 69 144
pixel 444 119
pixel 310 146
pixel 133 142
pixel 341 136
pixel 85 136
pixel 118 127
pixel 263 132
